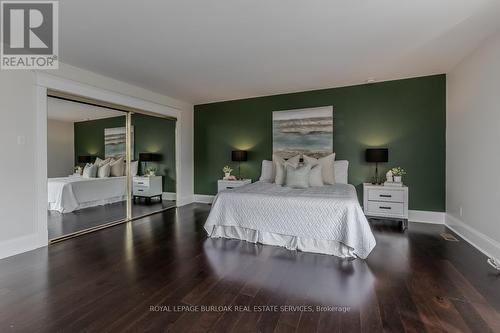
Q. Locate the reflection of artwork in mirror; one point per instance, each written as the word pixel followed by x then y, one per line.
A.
pixel 115 142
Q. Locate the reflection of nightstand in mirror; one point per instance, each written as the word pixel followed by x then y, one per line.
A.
pixel 230 184
pixel 147 187
pixel 389 202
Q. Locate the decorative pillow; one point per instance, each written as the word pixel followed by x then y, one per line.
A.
pixel 298 177
pixel 327 166
pixel 266 175
pixel 316 176
pixel 103 171
pixel 134 168
pixel 100 162
pixel 280 164
pixel 117 167
pixel 90 171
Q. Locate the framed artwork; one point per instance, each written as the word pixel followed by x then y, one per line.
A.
pixel 115 142
pixel 303 131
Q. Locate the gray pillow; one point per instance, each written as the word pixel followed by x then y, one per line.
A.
pixel 90 171
pixel 298 177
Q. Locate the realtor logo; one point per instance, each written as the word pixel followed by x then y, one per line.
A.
pixel 29 36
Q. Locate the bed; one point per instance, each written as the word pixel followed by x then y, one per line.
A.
pixel 326 219
pixel 68 194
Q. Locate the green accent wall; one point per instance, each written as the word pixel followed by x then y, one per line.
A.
pixel 407 116
pixel 151 135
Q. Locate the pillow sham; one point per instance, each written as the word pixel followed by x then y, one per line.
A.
pixel 266 174
pixel 89 171
pixel 134 168
pixel 280 164
pixel 117 167
pixel 327 167
pixel 103 171
pixel 99 162
pixel 298 177
pixel 316 176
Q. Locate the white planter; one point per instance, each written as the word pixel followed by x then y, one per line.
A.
pixel 226 175
pixel 398 179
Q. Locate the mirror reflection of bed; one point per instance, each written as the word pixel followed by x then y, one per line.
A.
pixel 87 176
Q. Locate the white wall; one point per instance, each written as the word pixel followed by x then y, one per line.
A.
pixel 60 148
pixel 20 153
pixel 473 147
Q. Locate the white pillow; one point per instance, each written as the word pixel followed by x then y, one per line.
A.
pixel 298 177
pixel 266 175
pixel 280 164
pixel 117 167
pixel 316 176
pixel 100 162
pixel 327 166
pixel 341 171
pixel 103 171
pixel 134 168
pixel 89 171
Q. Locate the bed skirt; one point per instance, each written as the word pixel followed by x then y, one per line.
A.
pixel 82 205
pixel 290 242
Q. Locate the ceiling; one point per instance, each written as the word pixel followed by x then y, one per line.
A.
pixel 68 111
pixel 203 51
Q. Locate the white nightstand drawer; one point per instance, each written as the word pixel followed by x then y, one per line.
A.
pixel 141 181
pixel 231 184
pixel 141 190
pixel 386 195
pixel 385 208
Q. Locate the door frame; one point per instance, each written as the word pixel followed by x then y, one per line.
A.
pixel 45 82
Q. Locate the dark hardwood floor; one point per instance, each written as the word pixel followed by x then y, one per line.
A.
pixel 83 219
pixel 157 273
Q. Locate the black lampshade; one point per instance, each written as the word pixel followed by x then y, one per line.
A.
pixel 84 159
pixel 239 155
pixel 377 155
pixel 149 157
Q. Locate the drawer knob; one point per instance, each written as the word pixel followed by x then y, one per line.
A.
pixel 386 195
pixel 384 207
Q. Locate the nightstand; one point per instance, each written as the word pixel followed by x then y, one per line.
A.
pixel 147 187
pixel 388 202
pixel 230 184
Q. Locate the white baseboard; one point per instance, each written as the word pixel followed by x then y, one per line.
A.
pixel 169 196
pixel 203 198
pixel 480 241
pixel 414 215
pixel 186 200
pixel 423 216
pixel 21 244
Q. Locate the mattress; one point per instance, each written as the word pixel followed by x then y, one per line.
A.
pixel 327 219
pixel 68 194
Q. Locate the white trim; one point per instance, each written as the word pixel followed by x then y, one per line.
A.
pixel 182 201
pixel 44 81
pixel 203 198
pixel 423 216
pixel 21 244
pixel 414 215
pixel 480 241
pixel 169 196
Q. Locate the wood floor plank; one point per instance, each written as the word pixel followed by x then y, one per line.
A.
pixel 129 277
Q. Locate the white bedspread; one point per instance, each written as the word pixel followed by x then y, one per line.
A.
pixel 316 215
pixel 72 193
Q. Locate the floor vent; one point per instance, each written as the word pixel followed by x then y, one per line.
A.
pixel 449 237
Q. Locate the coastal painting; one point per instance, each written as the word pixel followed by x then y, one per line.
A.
pixel 115 142
pixel 303 131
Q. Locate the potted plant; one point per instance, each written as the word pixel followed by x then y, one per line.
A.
pixel 227 171
pixel 151 172
pixel 398 173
